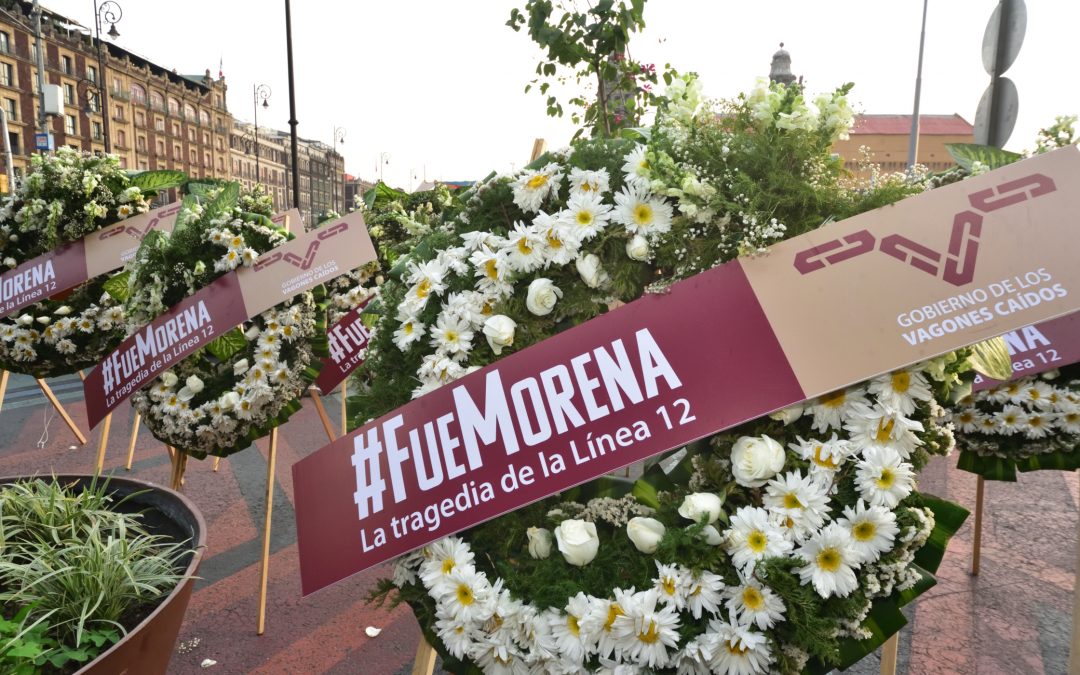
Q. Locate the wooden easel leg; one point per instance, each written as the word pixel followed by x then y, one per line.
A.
pixel 179 464
pixel 217 462
pixel 425 658
pixel 103 442
pixel 134 437
pixel 344 413
pixel 889 653
pixel 60 410
pixel 976 545
pixel 323 417
pixel 4 375
pixel 264 573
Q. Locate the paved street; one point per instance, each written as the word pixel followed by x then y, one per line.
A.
pixel 1013 618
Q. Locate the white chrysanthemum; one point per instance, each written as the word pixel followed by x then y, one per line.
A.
pixel 968 420
pixel 566 628
pixel 467 595
pixel 452 336
pixel 873 530
pixel 830 562
pixel 1069 422
pixel 1038 424
pixel 533 187
pixel 883 478
pixel 670 584
pixel 753 536
pixel 491 270
pixel 738 650
pixel 875 426
pixel 1035 393
pixel 599 623
pixel 641 214
pixel 561 243
pixel 751 603
pixel 524 250
pixel 458 636
pixel 443 557
pixel 829 410
pixel 647 631
pixel 582 180
pixel 798 498
pixel 1010 420
pixel 474 241
pixel 898 391
pixel 585 215
pixel 694 657
pixel 635 168
pixel 704 593
pixel 499 658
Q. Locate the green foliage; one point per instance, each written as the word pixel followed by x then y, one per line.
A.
pixel 227 344
pixel 968 155
pixel 1060 134
pixel 156 181
pixel 991 358
pixel 76 568
pixel 117 286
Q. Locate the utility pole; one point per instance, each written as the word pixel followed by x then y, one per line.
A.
pixel 43 120
pixel 913 140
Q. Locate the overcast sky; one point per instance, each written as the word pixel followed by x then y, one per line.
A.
pixel 438 85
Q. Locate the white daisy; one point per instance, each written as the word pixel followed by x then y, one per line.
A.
pixel 1038 424
pixel 561 245
pixel 751 603
pixel 1035 393
pixel 704 593
pixel 872 529
pixel 883 478
pixel 566 628
pixel 491 270
pixel 467 595
pixel 533 187
pixel 1069 422
pixel 829 410
pixel 443 557
pixel 585 215
pixel 752 537
pixel 635 168
pixel 876 426
pixel 409 331
pixel 830 562
pixel 457 635
pixel 524 250
pixel 582 180
pixel 738 650
pixel 646 631
pixel 1010 420
pixel 825 457
pixel 452 336
pixel 968 420
pixel 599 623
pixel 799 498
pixel 670 584
pixel 640 214
pixel 899 390
pixel 426 278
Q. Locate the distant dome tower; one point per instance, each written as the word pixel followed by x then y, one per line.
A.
pixel 780 70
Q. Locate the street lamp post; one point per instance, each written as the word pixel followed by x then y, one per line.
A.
pixel 339 138
pixel 107 12
pixel 261 92
pixel 89 93
pixel 384 159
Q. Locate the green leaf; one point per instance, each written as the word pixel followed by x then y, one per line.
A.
pixel 948 518
pixel 203 186
pixel 228 344
pixel 24 650
pixel 991 358
pixel 990 468
pixel 966 154
pixel 157 181
pixel 117 286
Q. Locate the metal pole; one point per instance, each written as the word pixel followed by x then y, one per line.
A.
pixel 8 159
pixel 43 122
pixel 913 141
pixel 255 99
pixel 292 108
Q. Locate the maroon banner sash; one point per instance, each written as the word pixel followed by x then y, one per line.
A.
pixel 824 310
pixel 286 271
pixel 348 343
pixel 72 264
pixel 1038 349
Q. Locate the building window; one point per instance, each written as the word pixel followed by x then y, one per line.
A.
pixel 123 162
pixel 191 156
pixel 140 118
pixel 176 153
pixel 140 143
pixel 5 42
pixel 13 138
pixel 220 164
pixel 11 107
pixel 69 124
pixel 116 84
pixel 159 124
pixel 206 139
pixel 191 134
pixel 7 75
pixel 204 118
pixel 65 65
pixel 176 129
pixel 157 100
pixel 206 160
pixel 161 147
pixel 138 93
pixel 93 102
pixel 142 165
pixel 96 129
pixel 34 52
pixel 69 94
pixel 121 139
pixel 189 113
pixel 91 73
pixel 174 106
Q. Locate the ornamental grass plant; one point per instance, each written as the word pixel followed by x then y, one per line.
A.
pixel 79 568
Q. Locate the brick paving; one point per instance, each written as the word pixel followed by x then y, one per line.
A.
pixel 1013 618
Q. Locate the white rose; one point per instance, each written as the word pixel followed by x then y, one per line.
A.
pixel 789 414
pixel 240 367
pixel 499 331
pixel 589 268
pixel 699 504
pixel 543 295
pixel 646 533
pixel 193 385
pixel 10 262
pixel 577 541
pixel 169 378
pixel 963 390
pixel 539 542
pixel 712 536
pixel 44 320
pixel 638 248
pixel 63 311
pixel 26 320
pixel 756 459
pixel 229 400
pixel 252 333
